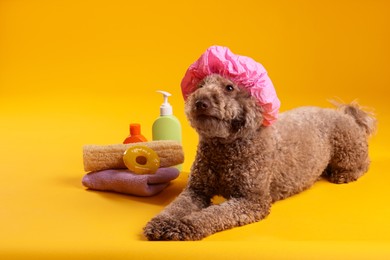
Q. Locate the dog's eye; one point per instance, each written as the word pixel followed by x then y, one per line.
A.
pixel 200 86
pixel 229 88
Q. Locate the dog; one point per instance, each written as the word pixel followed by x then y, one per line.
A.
pixel 252 165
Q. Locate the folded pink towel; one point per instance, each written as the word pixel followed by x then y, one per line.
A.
pixel 242 70
pixel 124 181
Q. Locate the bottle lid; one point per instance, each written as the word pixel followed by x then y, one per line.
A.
pixel 165 108
pixel 135 129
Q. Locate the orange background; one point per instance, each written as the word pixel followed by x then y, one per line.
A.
pixel 78 72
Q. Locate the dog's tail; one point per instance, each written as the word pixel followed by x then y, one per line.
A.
pixel 364 118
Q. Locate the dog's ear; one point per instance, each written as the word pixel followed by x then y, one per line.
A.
pixel 253 115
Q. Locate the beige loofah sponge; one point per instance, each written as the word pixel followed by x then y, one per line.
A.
pixel 102 157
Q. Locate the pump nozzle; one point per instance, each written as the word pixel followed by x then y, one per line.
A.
pixel 165 108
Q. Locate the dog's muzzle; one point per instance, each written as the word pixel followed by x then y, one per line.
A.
pixel 202 105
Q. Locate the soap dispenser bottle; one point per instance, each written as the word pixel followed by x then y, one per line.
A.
pixel 167 126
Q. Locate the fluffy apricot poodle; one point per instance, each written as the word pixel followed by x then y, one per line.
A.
pixel 250 155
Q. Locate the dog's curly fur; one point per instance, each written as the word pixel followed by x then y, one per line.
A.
pixel 253 166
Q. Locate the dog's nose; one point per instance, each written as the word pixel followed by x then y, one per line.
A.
pixel 202 104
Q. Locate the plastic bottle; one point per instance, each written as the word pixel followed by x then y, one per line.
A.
pixel 135 135
pixel 166 126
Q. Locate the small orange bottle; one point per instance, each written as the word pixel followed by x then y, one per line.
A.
pixel 135 135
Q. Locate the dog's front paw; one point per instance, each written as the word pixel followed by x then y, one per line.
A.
pixel 163 228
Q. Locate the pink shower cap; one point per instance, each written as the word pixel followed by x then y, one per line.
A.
pixel 242 70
